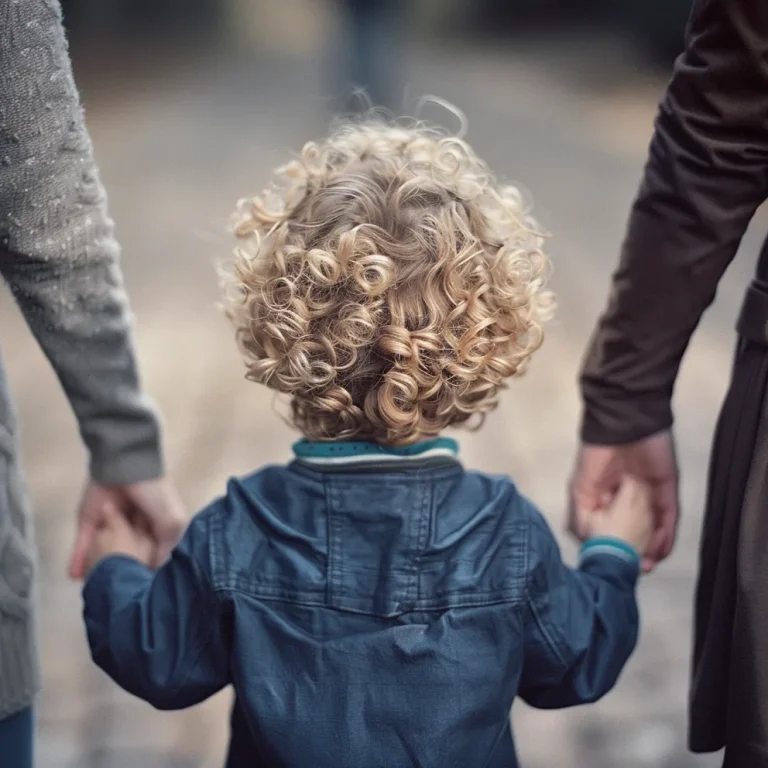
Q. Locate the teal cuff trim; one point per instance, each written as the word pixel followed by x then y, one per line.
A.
pixel 607 545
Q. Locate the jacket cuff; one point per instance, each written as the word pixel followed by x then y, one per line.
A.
pixel 608 545
pixel 611 559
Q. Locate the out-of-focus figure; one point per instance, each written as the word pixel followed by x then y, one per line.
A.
pixel 372 32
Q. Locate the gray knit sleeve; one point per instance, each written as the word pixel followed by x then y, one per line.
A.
pixel 57 248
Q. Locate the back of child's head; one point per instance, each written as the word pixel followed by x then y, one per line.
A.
pixel 388 284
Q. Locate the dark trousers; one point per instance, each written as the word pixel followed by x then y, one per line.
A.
pixel 729 693
pixel 16 739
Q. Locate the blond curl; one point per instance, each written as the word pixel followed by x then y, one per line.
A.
pixel 388 284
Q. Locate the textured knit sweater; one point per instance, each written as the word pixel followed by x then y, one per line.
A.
pixel 60 259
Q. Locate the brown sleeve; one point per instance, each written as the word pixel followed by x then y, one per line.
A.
pixel 707 172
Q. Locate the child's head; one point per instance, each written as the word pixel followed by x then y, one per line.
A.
pixel 389 285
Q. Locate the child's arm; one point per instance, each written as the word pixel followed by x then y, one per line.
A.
pixel 160 636
pixel 581 625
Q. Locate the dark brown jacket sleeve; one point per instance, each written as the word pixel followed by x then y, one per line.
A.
pixel 707 172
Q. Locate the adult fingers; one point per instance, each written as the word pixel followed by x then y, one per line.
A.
pixel 585 498
pixel 667 513
pixel 86 530
pixel 577 516
pixel 162 509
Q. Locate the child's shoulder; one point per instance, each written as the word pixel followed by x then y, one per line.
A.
pixel 524 517
pixel 258 516
pixel 503 489
pixel 271 485
pixel 282 486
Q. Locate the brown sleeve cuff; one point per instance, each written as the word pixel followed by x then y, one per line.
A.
pixel 608 419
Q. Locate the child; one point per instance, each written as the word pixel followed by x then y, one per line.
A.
pixel 373 603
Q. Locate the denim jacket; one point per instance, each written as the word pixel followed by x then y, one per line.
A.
pixel 372 609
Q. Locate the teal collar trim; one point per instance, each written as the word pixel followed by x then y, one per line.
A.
pixel 304 449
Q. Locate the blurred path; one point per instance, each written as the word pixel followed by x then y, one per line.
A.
pixel 176 152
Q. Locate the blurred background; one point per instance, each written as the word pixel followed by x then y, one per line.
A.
pixel 190 104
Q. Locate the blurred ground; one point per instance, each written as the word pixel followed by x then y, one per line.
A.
pixel 569 121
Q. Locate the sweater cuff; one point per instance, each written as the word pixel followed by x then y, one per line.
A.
pixel 125 451
pixel 128 468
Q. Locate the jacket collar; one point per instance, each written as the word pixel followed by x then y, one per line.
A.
pixel 367 454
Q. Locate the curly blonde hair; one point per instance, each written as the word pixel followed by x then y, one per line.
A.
pixel 388 284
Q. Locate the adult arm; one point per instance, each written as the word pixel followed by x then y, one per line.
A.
pixel 57 248
pixel 707 172
pixel 60 259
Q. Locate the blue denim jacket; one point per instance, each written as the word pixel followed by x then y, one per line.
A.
pixel 370 608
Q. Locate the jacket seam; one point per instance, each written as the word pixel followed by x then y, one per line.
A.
pixel 212 595
pixel 531 603
pixel 215 536
pixel 266 591
pixel 541 625
pixel 320 603
pixel 409 476
pixel 201 644
pixel 421 536
pixel 334 581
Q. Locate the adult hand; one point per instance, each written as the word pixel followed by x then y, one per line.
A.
pixel 629 518
pixel 115 535
pixel 598 475
pixel 155 503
